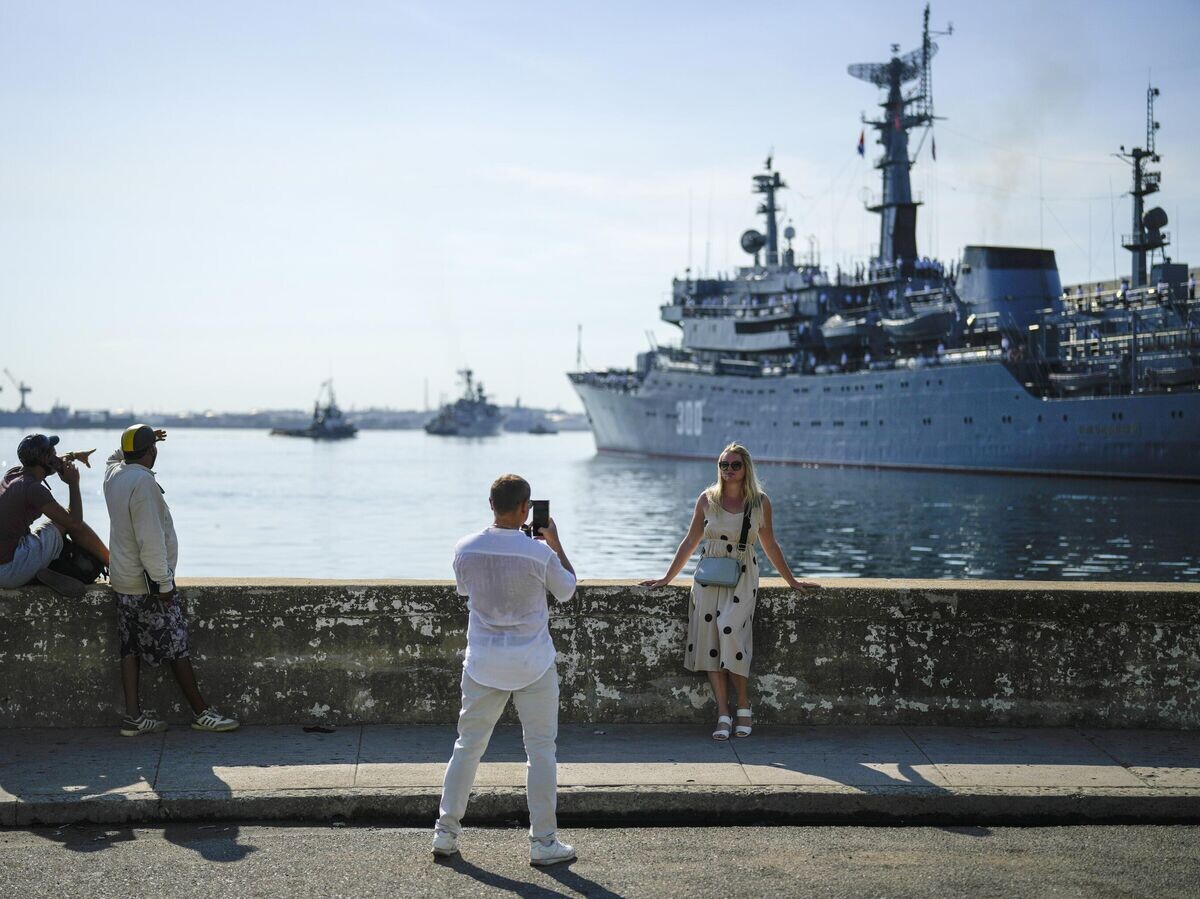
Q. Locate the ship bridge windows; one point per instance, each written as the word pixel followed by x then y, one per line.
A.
pixel 926 421
pixel 1176 413
pixel 968 420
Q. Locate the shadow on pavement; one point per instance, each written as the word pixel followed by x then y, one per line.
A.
pixel 489 878
pixel 577 882
pixel 49 767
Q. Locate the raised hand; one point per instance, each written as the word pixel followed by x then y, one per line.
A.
pixel 69 473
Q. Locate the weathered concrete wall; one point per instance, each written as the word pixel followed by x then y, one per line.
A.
pixel 928 652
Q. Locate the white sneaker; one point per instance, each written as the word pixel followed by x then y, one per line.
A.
pixel 214 722
pixel 445 844
pixel 558 851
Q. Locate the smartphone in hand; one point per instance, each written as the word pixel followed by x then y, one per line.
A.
pixel 541 517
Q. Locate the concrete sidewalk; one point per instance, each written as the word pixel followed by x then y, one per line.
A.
pixel 619 774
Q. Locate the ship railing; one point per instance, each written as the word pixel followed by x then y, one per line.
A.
pixel 1133 241
pixel 1121 297
pixel 739 309
pixel 873 200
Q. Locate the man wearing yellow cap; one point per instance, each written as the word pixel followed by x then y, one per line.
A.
pixel 143 553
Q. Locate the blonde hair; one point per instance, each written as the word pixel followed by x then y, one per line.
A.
pixel 750 485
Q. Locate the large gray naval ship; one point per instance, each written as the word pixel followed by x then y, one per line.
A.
pixel 982 365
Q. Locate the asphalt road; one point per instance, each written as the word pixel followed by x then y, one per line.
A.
pixel 302 860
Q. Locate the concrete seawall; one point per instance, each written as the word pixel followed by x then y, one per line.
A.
pixel 861 652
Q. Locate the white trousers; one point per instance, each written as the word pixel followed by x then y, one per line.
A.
pixel 537 707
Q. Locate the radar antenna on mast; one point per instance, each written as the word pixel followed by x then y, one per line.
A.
pixel 896 206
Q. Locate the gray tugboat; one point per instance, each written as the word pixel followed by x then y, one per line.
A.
pixel 328 422
pixel 471 415
pixel 904 362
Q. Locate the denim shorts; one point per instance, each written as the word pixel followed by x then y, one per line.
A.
pixel 36 550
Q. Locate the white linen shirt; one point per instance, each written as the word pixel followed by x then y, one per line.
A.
pixel 505 576
pixel 141 536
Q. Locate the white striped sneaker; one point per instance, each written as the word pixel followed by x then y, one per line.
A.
pixel 552 853
pixel 445 844
pixel 214 722
pixel 145 723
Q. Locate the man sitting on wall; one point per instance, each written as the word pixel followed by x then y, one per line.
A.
pixel 27 553
pixel 505 575
pixel 151 625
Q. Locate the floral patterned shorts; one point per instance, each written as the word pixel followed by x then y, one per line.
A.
pixel 151 628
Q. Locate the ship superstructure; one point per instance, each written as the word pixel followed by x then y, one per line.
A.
pixel 983 364
pixel 471 415
pixel 328 422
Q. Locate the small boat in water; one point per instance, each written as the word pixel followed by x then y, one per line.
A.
pixel 328 423
pixel 543 427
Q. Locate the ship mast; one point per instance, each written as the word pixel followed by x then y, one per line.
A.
pixel 1147 235
pixel 896 207
pixel 768 185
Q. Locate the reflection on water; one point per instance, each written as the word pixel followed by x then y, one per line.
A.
pixel 392 504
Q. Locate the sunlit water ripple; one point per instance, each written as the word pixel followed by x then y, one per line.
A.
pixel 391 504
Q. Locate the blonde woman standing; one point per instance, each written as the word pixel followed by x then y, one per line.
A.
pixel 720 637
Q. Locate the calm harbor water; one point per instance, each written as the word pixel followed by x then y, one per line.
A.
pixel 391 504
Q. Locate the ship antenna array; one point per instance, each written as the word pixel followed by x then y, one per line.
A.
pixel 928 48
pixel 1151 125
pixel 1147 234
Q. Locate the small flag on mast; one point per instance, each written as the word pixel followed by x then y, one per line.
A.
pixel 933 148
pixel 862 145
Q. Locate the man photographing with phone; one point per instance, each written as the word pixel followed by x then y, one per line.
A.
pixel 505 576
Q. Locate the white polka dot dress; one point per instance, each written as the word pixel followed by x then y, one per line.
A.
pixel 720 619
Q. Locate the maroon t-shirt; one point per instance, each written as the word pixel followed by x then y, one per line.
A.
pixel 22 497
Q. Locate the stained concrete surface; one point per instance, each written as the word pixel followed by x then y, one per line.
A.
pixel 955 653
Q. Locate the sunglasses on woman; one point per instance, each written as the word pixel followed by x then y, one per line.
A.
pixel 735 465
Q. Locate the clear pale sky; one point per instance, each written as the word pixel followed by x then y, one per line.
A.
pixel 216 205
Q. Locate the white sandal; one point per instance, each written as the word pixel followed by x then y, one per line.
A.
pixel 721 734
pixel 743 730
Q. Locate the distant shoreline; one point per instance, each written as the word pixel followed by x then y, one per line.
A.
pixel 517 419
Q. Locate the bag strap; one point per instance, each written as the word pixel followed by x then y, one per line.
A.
pixel 745 529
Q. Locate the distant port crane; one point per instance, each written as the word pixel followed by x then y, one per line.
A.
pixel 22 388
